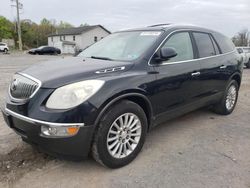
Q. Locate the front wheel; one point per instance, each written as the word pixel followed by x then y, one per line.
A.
pixel 120 135
pixel 229 100
pixel 5 50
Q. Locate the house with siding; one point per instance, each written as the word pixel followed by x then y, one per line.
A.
pixel 69 40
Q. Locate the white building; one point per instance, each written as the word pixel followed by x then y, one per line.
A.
pixel 69 40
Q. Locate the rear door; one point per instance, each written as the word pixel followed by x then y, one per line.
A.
pixel 177 83
pixel 46 50
pixel 211 65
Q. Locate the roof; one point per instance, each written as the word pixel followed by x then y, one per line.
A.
pixel 78 30
pixel 170 27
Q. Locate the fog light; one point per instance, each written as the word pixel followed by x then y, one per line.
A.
pixel 58 131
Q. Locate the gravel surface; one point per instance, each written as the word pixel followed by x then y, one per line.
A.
pixel 200 149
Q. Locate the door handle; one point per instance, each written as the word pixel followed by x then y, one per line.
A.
pixel 223 67
pixel 195 74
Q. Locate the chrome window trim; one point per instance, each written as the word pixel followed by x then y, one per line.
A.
pixel 40 122
pixel 31 78
pixel 190 60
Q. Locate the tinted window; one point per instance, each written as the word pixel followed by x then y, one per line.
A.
pixel 226 45
pixel 216 48
pixel 204 44
pixel 181 42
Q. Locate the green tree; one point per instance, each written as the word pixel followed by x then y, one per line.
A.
pixel 29 34
pixel 6 28
pixel 63 24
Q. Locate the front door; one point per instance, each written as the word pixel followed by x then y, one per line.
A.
pixel 177 82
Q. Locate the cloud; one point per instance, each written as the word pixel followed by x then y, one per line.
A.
pixel 227 16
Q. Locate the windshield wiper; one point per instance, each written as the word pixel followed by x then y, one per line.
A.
pixel 103 58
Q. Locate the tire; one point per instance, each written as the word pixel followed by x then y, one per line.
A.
pixel 226 106
pixel 5 50
pixel 107 126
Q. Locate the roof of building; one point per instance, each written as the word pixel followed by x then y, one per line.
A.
pixel 77 30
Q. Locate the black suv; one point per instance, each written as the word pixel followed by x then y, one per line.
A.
pixel 108 98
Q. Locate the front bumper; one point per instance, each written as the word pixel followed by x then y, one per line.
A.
pixel 29 129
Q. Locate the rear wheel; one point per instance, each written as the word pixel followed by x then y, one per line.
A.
pixel 121 135
pixel 229 100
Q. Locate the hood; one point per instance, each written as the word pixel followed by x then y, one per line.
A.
pixel 60 72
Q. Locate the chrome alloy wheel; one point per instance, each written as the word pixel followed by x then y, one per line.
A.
pixel 231 97
pixel 124 135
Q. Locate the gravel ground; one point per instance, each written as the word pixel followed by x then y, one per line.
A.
pixel 200 149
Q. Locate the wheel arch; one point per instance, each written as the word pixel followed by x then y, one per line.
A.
pixel 135 97
pixel 237 78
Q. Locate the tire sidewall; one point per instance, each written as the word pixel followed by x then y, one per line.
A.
pixel 106 122
pixel 232 82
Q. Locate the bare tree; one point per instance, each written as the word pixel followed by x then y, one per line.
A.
pixel 242 38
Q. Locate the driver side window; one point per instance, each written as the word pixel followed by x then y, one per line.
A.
pixel 181 42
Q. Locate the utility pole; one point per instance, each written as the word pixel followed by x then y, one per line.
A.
pixel 18 7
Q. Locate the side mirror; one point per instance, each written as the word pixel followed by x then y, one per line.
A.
pixel 167 53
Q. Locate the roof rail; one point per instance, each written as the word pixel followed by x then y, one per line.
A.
pixel 163 24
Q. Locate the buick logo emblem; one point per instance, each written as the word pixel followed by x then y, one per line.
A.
pixel 13 85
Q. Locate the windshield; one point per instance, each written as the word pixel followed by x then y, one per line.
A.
pixel 123 46
pixel 41 47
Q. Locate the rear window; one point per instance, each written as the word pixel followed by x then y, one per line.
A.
pixel 204 44
pixel 226 45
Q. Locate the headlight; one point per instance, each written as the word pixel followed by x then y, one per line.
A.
pixel 73 94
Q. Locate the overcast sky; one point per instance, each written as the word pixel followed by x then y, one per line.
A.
pixel 227 16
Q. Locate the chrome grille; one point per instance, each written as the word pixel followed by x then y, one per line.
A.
pixel 23 87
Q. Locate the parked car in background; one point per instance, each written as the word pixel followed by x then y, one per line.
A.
pixel 42 50
pixel 4 47
pixel 107 98
pixel 245 53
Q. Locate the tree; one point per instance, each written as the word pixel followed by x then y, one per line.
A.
pixel 6 28
pixel 33 34
pixel 84 25
pixel 29 34
pixel 242 38
pixel 63 25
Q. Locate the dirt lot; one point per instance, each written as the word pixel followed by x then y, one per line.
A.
pixel 200 149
